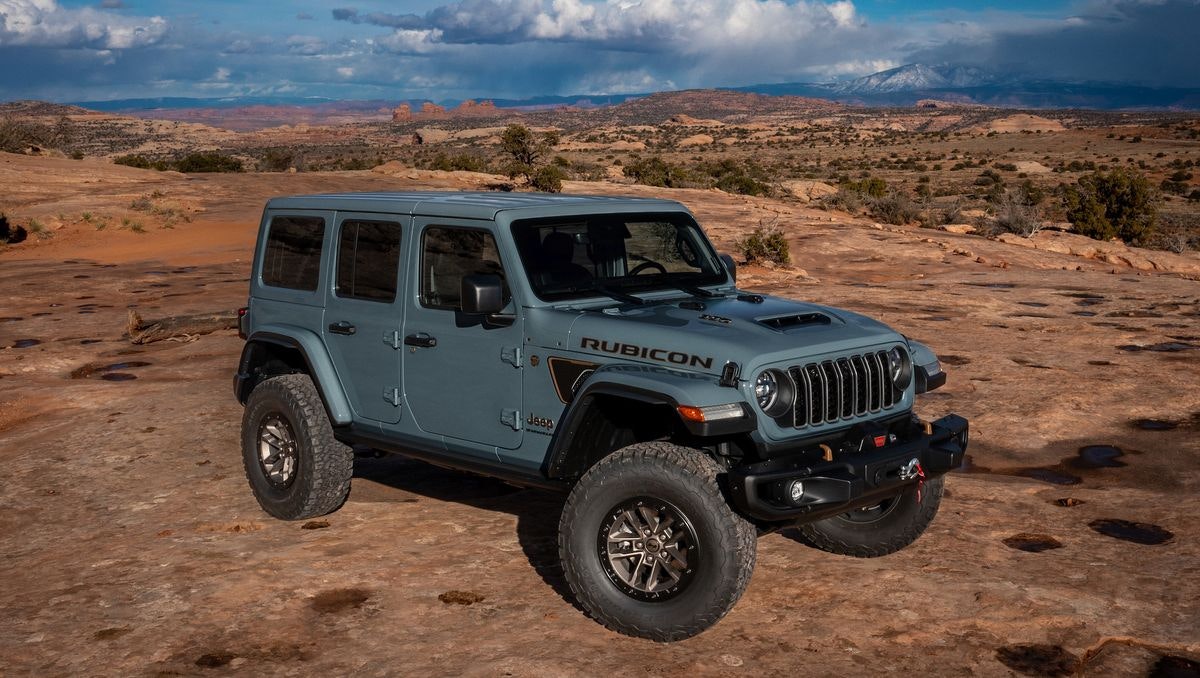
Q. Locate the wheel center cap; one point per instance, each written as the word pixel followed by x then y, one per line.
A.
pixel 653 545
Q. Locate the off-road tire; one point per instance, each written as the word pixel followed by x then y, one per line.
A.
pixel 323 466
pixel 687 479
pixel 900 527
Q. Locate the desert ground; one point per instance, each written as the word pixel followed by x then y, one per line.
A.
pixel 130 543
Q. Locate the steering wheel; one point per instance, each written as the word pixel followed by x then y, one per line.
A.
pixel 637 270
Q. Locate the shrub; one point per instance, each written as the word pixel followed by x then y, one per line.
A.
pixel 1015 214
pixel 139 161
pixel 208 161
pixel 765 243
pixel 743 184
pixel 548 178
pixel 871 186
pixel 894 208
pixel 652 171
pixel 460 162
pixel 277 160
pixel 1117 204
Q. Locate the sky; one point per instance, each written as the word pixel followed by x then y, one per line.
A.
pixel 80 50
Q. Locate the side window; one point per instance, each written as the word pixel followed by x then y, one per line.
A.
pixel 448 254
pixel 368 260
pixel 293 256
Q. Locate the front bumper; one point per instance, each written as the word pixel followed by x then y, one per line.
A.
pixel 851 480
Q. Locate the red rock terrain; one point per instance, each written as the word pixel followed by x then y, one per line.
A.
pixel 131 545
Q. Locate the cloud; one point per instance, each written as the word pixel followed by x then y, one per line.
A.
pixel 404 41
pixel 688 42
pixel 646 26
pixel 44 23
pixel 306 45
pixel 112 4
pixel 1148 42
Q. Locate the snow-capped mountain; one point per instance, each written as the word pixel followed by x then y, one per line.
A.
pixel 916 77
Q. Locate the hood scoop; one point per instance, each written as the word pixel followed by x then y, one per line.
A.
pixel 791 321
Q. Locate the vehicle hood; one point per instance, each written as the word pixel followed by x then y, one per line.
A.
pixel 704 334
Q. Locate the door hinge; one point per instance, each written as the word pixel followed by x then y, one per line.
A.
pixel 392 395
pixel 511 418
pixel 392 338
pixel 511 355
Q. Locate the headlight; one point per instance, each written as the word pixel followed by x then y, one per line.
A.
pixel 773 391
pixel 899 367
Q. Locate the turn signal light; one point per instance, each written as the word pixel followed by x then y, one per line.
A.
pixel 712 412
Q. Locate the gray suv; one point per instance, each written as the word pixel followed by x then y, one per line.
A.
pixel 593 345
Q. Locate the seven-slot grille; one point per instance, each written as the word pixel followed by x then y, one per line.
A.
pixel 844 388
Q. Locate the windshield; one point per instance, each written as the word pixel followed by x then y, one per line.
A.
pixel 614 254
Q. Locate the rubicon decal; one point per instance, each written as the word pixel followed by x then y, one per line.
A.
pixel 634 351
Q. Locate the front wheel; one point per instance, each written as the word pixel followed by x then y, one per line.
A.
pixel 650 546
pixel 881 529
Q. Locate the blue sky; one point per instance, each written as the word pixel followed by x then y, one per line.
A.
pixel 69 50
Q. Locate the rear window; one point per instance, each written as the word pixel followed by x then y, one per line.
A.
pixel 368 260
pixel 293 256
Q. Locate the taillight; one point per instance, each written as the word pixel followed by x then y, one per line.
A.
pixel 242 319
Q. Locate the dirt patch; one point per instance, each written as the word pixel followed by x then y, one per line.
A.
pixel 1038 660
pixel 460 597
pixel 338 601
pixel 1032 543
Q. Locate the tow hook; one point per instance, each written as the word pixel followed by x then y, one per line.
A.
pixel 911 470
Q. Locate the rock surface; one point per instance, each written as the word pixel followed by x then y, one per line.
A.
pixel 130 544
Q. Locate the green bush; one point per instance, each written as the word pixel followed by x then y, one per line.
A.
pixel 460 162
pixel 652 171
pixel 765 243
pixel 139 161
pixel 548 178
pixel 209 161
pixel 871 186
pixel 1117 204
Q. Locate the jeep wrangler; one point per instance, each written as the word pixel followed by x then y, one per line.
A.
pixel 593 345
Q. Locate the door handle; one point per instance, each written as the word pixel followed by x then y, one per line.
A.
pixel 421 340
pixel 342 327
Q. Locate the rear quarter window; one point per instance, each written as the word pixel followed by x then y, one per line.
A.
pixel 293 253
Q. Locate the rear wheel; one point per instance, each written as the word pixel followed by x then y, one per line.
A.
pixel 881 529
pixel 651 547
pixel 295 466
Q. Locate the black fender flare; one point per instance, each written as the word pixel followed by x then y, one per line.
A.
pixel 560 455
pixel 317 364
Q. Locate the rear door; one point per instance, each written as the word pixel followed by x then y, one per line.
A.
pixel 364 311
pixel 462 373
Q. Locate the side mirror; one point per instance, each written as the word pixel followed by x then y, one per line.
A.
pixel 482 294
pixel 730 265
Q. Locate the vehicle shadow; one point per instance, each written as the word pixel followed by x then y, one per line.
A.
pixel 394 478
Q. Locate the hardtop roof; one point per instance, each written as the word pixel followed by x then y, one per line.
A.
pixel 470 205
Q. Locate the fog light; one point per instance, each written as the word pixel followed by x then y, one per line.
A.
pixel 796 491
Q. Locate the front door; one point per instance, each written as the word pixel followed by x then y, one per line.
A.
pixel 364 312
pixel 462 376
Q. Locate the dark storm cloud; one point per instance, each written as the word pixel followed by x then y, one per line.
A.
pixel 1125 41
pixel 409 21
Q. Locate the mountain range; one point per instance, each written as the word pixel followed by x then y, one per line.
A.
pixel 902 86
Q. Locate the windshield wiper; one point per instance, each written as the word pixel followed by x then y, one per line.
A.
pixel 602 289
pixel 696 291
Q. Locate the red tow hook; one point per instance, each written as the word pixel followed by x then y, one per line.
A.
pixel 920 481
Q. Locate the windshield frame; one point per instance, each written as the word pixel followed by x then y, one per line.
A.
pixel 625 284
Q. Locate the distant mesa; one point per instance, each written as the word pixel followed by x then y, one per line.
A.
pixel 431 111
